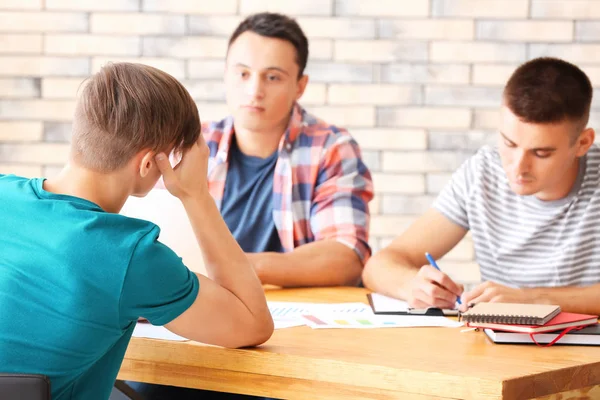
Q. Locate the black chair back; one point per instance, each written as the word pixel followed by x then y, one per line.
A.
pixel 24 387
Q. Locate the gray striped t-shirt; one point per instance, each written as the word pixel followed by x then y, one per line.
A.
pixel 521 241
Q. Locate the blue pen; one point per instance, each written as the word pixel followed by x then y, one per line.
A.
pixel 434 265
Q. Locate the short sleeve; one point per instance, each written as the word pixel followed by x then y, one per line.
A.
pixel 157 286
pixel 452 200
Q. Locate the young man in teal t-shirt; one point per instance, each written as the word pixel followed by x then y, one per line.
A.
pixel 76 276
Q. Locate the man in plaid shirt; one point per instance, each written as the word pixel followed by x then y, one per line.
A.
pixel 293 189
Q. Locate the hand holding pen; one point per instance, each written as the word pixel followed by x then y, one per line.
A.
pixel 430 287
pixel 434 265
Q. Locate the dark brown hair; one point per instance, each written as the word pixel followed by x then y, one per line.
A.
pixel 278 26
pixel 549 90
pixel 126 108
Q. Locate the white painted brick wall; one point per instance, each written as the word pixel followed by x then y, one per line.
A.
pixel 375 94
pixel 379 8
pixel 379 50
pixel 28 5
pixel 477 52
pixel 61 88
pixel 525 31
pixel 304 7
pixel 15 88
pixel 18 131
pixel 44 22
pixel 20 44
pixel 481 8
pixel 457 74
pixel 137 24
pixel 570 9
pixel 41 66
pixel 221 7
pixel 93 5
pixel 450 29
pixel 85 44
pixel 184 47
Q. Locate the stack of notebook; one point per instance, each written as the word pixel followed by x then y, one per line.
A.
pixel 522 323
pixel 589 336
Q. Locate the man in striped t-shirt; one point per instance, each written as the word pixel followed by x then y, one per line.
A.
pixel 532 205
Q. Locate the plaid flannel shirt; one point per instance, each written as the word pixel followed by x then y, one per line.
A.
pixel 321 187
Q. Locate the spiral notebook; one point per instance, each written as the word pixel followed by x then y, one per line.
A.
pixel 510 313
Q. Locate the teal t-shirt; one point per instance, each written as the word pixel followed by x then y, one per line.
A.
pixel 73 281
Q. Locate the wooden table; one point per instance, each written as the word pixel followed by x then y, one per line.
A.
pixel 394 363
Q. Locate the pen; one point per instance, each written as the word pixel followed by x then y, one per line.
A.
pixel 434 265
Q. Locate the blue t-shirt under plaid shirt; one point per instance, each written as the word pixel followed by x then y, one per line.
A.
pixel 247 205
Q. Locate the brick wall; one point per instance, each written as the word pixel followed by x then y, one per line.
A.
pixel 417 82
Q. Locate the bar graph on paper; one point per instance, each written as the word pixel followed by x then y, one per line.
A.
pixel 283 309
pixel 289 314
pixel 323 321
pixel 344 322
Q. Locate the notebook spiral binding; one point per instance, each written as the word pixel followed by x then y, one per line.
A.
pixel 502 319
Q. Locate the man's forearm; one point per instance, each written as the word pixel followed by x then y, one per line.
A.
pixel 224 260
pixel 387 273
pixel 585 300
pixel 323 263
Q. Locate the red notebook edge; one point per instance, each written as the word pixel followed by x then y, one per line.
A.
pixel 579 336
pixel 561 321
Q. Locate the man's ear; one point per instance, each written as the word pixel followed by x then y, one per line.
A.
pixel 585 141
pixel 146 162
pixel 302 82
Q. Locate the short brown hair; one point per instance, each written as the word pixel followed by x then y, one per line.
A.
pixel 126 108
pixel 549 90
pixel 277 26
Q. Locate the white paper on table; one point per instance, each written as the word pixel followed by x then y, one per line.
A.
pixel 147 330
pixel 328 321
